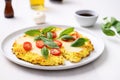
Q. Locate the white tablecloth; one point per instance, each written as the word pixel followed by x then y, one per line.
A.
pixel 107 67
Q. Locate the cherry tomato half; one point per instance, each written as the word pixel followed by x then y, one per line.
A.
pixel 76 35
pixel 54 35
pixel 58 43
pixel 55 52
pixel 39 43
pixel 27 46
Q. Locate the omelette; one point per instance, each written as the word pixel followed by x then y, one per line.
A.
pixel 52 46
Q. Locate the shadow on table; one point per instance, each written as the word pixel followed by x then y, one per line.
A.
pixel 96 27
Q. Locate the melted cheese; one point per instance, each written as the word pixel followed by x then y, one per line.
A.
pixel 21 40
pixel 67 46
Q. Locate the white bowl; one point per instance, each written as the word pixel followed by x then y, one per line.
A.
pixel 86 18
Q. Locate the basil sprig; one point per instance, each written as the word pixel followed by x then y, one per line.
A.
pixel 79 42
pixel 33 32
pixel 66 31
pixel 45 52
pixel 107 27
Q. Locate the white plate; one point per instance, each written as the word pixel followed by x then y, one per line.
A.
pixel 7 42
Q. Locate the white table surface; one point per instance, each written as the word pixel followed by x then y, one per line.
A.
pixel 107 67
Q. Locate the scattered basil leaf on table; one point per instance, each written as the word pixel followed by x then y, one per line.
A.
pixel 33 32
pixel 107 31
pixel 45 52
pixel 105 18
pixel 66 31
pixel 114 21
pixel 117 27
pixel 107 27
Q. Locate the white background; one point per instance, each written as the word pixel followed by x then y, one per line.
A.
pixel 107 67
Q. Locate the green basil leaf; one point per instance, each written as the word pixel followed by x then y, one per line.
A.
pixel 103 26
pixel 79 42
pixel 114 21
pixel 108 25
pixel 49 35
pixel 117 27
pixel 45 52
pixel 48 29
pixel 66 31
pixel 33 32
pixel 105 18
pixel 67 37
pixel 49 42
pixel 108 32
pixel 37 38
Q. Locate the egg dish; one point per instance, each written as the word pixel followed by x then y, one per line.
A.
pixel 52 46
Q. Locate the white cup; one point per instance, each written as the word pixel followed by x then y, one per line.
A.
pixel 86 18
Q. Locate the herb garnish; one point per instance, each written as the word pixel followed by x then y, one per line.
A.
pixel 49 35
pixel 66 31
pixel 36 32
pixel 107 27
pixel 79 42
pixel 67 37
pixel 49 42
pixel 45 52
pixel 33 32
pixel 47 29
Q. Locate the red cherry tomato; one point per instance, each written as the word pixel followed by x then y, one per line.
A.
pixel 76 35
pixel 55 52
pixel 27 46
pixel 54 35
pixel 39 43
pixel 58 43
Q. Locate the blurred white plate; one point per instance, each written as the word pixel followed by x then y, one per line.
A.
pixel 7 43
